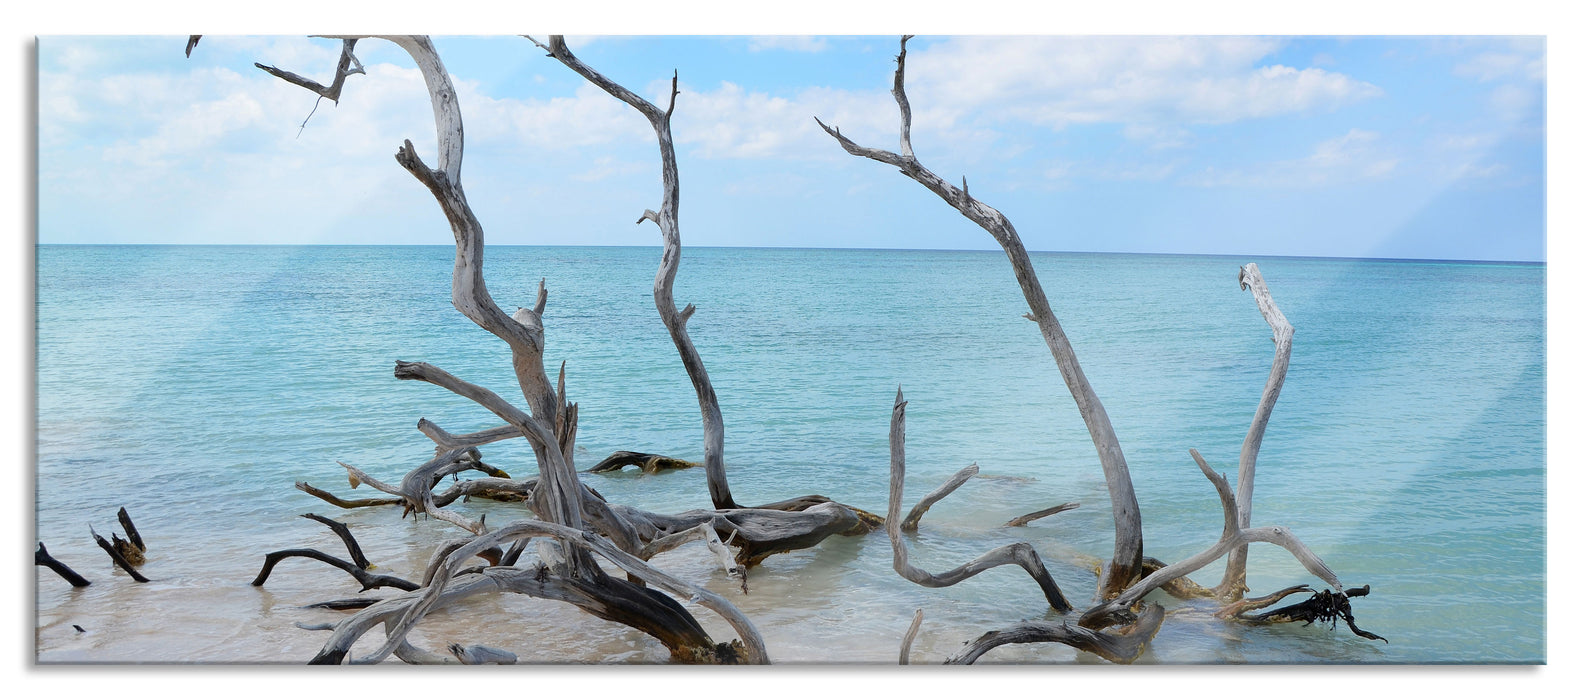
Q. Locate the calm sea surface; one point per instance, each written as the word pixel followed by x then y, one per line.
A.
pixel 194 385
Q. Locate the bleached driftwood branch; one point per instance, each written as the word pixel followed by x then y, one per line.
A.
pixel 348 65
pixel 914 516
pixel 1127 558
pixel 1233 535
pixel 668 221
pixel 1037 514
pixel 1234 583
pixel 1122 646
pixel 1021 553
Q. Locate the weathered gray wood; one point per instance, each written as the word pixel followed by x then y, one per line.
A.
pixel 668 221
pixel 1234 583
pixel 1115 610
pixel 955 481
pixel 1122 646
pixel 558 497
pixel 437 584
pixel 1035 515
pixel 446 441
pixel 335 500
pixel 1127 557
pixel 702 533
pixel 911 634
pixel 349 65
pixel 648 463
pixel 1021 553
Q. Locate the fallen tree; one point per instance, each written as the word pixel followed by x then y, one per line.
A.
pixel 1127 576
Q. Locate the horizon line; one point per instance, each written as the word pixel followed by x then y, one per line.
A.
pixel 855 249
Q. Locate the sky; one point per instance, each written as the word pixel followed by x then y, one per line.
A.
pixel 1395 147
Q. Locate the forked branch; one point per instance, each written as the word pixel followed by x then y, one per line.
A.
pixel 668 221
pixel 1126 560
pixel 1021 553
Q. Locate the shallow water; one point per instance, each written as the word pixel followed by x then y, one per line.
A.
pixel 194 385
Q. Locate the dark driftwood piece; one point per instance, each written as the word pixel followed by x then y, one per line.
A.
pixel 1322 606
pixel 1030 517
pixel 1021 553
pixel 1127 558
pixel 648 463
pixel 345 533
pixel 914 516
pixel 345 604
pixel 131 530
pixel 367 580
pixel 116 556
pixel 41 557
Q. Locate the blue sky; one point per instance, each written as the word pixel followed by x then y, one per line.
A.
pixel 1407 147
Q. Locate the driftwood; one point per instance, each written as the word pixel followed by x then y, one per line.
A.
pixel 1127 558
pixel 648 463
pixel 1021 553
pixel 345 533
pixel 1233 535
pixel 914 516
pixel 568 513
pixel 1122 646
pixel 337 501
pixel 911 634
pixel 668 221
pixel 1234 583
pixel 132 535
pixel 41 557
pixel 369 581
pixel 1128 575
pixel 1035 515
pixel 117 556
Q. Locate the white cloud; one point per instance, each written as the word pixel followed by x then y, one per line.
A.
pixel 1511 102
pixel 806 44
pixel 1058 80
pixel 1354 156
pixel 732 122
pixel 606 167
pixel 1516 58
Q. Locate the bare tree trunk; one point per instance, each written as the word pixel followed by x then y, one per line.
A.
pixel 1235 582
pixel 668 221
pixel 1126 561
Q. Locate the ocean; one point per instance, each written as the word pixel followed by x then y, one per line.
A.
pixel 194 385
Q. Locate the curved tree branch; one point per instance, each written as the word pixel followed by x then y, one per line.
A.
pixel 1233 535
pixel 1127 558
pixel 1235 581
pixel 1021 553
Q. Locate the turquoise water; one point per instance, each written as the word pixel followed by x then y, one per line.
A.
pixel 194 385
